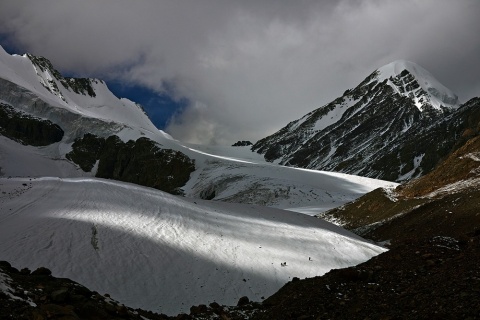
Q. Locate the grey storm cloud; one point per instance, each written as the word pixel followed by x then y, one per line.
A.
pixel 248 67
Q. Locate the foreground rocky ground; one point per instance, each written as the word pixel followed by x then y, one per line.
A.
pixel 38 295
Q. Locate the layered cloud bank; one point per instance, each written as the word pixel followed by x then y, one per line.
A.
pixel 247 68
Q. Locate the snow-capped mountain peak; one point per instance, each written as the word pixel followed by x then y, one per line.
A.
pixel 410 79
pixel 377 129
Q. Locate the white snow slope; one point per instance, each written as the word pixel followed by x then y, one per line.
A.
pixel 152 250
pixel 105 105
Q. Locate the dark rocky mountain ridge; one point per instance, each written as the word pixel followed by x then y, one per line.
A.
pixel 383 128
pixel 78 85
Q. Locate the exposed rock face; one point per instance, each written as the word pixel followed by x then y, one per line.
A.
pixel 78 85
pixel 141 162
pixel 388 127
pixel 27 129
pixel 86 151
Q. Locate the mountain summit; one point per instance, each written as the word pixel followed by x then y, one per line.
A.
pixel 410 79
pixel 382 128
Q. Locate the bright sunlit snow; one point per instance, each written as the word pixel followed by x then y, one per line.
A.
pixel 152 250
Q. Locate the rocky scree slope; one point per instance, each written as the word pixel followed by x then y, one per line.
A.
pixel 382 128
pixel 38 295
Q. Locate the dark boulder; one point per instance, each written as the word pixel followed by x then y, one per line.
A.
pixel 243 301
pixel 42 271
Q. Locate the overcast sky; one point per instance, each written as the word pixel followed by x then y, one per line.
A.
pixel 247 68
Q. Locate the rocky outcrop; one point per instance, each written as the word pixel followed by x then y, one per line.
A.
pixel 243 143
pixel 141 162
pixel 27 129
pixel 78 85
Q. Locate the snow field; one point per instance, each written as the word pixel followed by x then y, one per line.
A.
pixel 152 250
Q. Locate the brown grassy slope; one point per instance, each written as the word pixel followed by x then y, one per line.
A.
pixel 451 215
pixel 371 208
pixel 462 164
